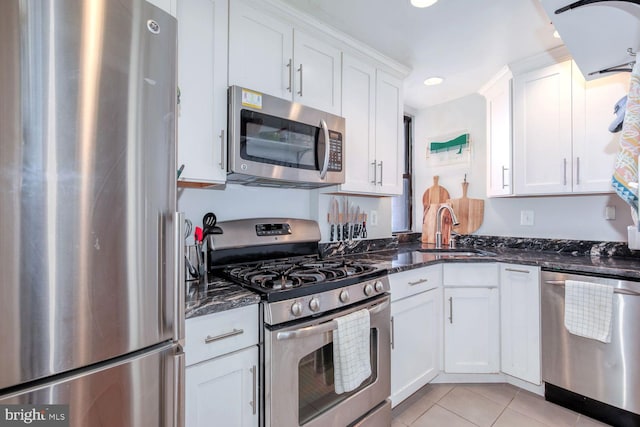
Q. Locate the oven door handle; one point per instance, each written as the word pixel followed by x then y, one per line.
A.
pixel 323 327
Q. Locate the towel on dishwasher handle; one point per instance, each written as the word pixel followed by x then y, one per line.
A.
pixel 351 351
pixel 588 309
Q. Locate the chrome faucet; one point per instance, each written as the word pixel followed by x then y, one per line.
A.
pixel 439 223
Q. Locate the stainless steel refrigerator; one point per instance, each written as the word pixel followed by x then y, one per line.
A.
pixel 91 310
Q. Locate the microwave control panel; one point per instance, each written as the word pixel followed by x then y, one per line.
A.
pixel 335 151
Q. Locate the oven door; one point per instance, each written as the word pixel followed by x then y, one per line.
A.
pixel 299 389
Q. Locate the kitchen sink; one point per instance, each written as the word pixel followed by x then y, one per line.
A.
pixel 456 252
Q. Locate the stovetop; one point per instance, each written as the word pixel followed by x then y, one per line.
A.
pixel 289 278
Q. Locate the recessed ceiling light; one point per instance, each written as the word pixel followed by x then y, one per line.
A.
pixel 556 34
pixel 431 81
pixel 423 3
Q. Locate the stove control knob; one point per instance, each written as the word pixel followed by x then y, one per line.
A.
pixel 368 289
pixel 296 309
pixel 379 286
pixel 314 304
pixel 344 296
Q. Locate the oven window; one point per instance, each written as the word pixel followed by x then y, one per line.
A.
pixel 316 393
pixel 277 141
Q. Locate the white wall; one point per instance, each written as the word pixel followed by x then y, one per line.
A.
pixel 237 201
pixel 569 217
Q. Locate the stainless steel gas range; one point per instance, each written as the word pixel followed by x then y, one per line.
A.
pixel 302 296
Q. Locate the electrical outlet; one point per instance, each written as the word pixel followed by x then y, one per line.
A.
pixel 373 218
pixel 526 218
pixel 610 212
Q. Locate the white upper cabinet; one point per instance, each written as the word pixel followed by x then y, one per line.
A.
pixel 389 134
pixel 597 35
pixel 542 130
pixel 202 80
pixel 372 107
pixel 561 139
pixel 498 95
pixel 260 51
pixel 269 55
pixel 317 73
pixel 359 109
pixel 594 147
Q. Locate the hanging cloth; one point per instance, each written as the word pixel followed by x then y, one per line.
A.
pixel 625 175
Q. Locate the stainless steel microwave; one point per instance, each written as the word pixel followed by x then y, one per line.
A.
pixel 279 143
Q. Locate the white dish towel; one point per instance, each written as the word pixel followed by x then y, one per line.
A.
pixel 351 358
pixel 588 309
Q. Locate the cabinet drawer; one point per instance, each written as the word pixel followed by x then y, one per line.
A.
pixel 412 282
pixel 220 333
pixel 483 275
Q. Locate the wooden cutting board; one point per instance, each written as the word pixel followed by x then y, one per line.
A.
pixel 432 199
pixel 470 212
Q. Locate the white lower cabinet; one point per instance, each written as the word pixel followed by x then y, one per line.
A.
pixel 222 373
pixel 416 306
pixel 520 321
pixel 223 391
pixel 471 318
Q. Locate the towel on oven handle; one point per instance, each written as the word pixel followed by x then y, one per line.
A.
pixel 351 351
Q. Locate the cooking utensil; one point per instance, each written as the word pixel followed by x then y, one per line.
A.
pixel 356 220
pixel 209 224
pixel 364 227
pixel 339 224
pixel 331 219
pixel 188 228
pixel 470 212
pixel 345 227
pixel 432 199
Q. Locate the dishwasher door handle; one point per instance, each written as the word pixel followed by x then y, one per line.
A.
pixel 621 291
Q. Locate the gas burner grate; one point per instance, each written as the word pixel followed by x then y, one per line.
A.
pixel 287 274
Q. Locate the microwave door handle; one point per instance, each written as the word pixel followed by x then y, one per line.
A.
pixel 327 147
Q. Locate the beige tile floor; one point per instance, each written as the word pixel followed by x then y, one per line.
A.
pixel 483 405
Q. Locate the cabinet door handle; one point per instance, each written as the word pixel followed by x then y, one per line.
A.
pixel 392 334
pixel 375 172
pixel 515 270
pixel 255 383
pixel 417 282
pixel 564 165
pixel 290 72
pixel 223 143
pixel 450 309
pixel 503 170
pixel 300 91
pixel 381 165
pixel 577 170
pixel 209 339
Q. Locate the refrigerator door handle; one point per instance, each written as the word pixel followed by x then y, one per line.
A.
pixel 175 390
pixel 179 280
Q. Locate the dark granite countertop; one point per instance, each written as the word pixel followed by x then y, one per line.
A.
pixel 218 295
pixel 406 257
pixel 396 255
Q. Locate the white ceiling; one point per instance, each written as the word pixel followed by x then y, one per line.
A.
pixel 465 41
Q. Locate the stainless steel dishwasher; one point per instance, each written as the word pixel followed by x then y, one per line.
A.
pixel 601 380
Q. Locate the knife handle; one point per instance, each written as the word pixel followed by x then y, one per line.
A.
pixel 338 227
pixel 332 230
